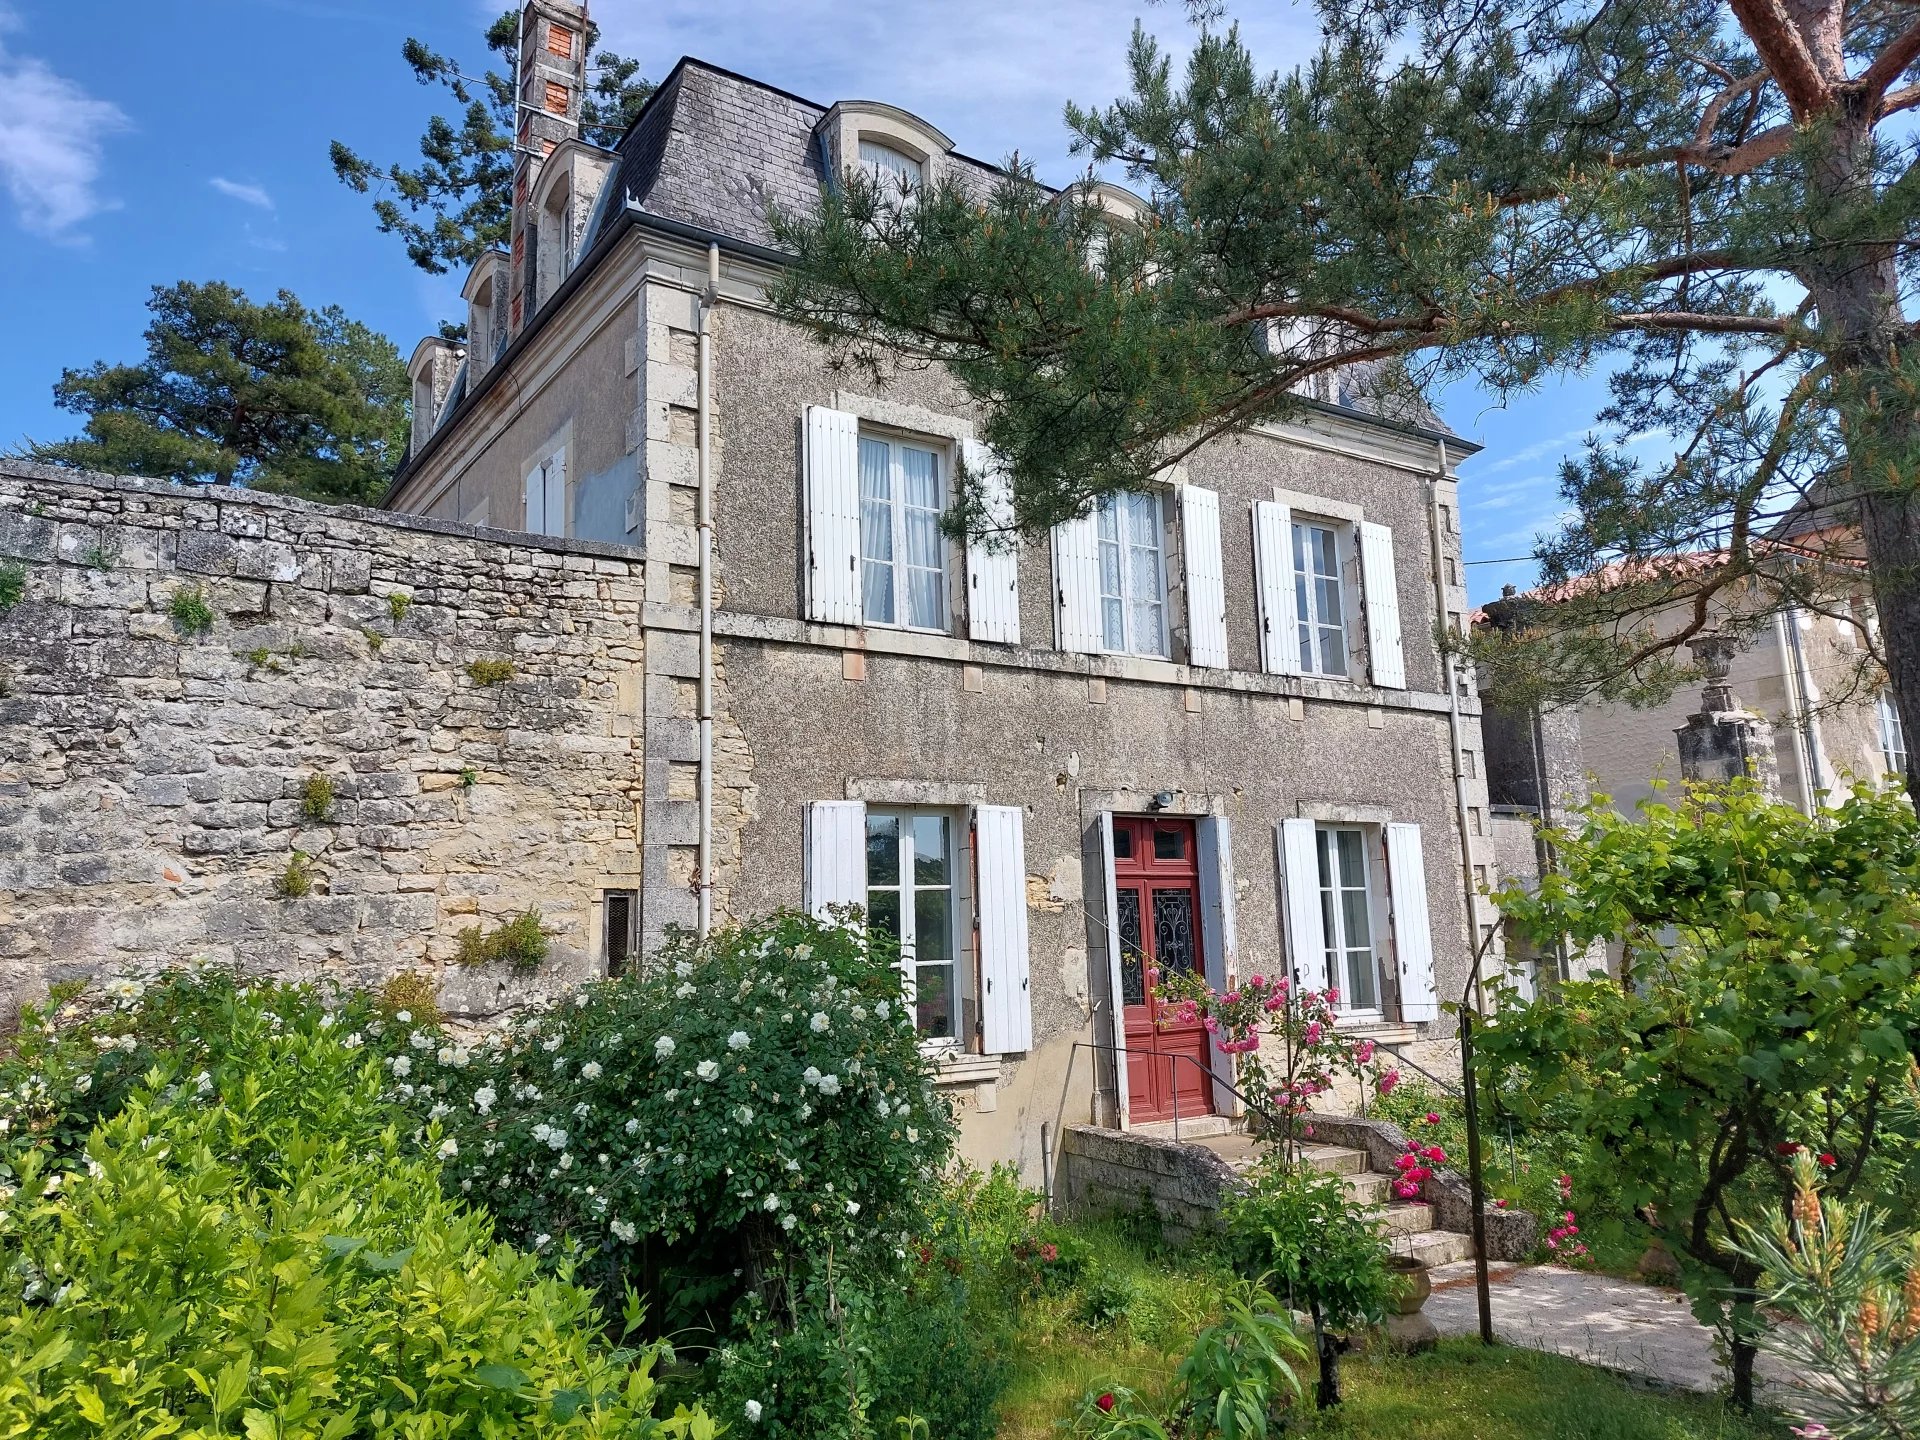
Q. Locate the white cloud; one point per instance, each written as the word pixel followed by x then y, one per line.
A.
pixel 245 194
pixel 52 137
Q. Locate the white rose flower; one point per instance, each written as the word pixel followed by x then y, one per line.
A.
pixel 819 1023
pixel 449 1148
pixel 484 1098
pixel 420 1040
pixel 444 1055
pixel 403 1017
pixel 883 1009
pixel 353 1041
pixel 753 1411
pixel 542 1131
pixel 556 1139
pixel 663 1047
pixel 853 1207
pixel 788 1221
pixel 684 990
pixel 540 1242
pixel 682 968
pixel 566 1161
pixel 803 952
pixel 402 1066
pixel 83 1084
pixel 440 1110
pixel 810 1076
pixel 632 1127
pixel 913 1136
pixel 707 1069
pixel 739 1040
pixel 772 1202
pixel 590 1070
pixel 203 1082
pixel 829 1084
pixel 624 1230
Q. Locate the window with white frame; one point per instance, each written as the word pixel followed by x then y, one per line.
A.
pixel 1346 917
pixel 1133 579
pixel 894 169
pixel 545 497
pixel 910 895
pixel 1893 736
pixel 903 552
pixel 1319 596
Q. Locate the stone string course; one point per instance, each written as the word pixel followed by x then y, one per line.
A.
pixel 150 779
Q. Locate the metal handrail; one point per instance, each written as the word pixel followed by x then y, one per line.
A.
pixel 1394 1050
pixel 1170 1056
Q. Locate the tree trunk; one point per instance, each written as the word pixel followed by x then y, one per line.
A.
pixel 1742 1355
pixel 1327 1395
pixel 1890 523
pixel 1855 288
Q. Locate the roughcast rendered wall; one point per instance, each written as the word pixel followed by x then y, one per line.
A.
pixel 151 776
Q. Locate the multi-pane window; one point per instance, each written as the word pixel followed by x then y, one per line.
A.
pixel 1133 582
pixel 1319 598
pixel 903 554
pixel 1346 914
pixel 910 896
pixel 893 168
pixel 1893 736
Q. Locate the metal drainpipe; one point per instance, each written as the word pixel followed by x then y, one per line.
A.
pixel 1810 698
pixel 1451 676
pixel 703 523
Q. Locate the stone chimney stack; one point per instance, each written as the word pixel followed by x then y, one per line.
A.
pixel 552 79
pixel 1724 740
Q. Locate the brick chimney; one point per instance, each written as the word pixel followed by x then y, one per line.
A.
pixel 552 73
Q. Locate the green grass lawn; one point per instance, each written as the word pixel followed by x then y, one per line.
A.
pixel 1137 1307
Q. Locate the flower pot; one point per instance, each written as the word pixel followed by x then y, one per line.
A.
pixel 1415 1283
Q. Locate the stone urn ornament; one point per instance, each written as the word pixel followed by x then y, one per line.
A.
pixel 1407 1329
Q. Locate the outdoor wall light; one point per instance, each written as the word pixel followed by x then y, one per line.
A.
pixel 1161 801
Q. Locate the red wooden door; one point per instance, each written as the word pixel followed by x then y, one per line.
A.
pixel 1156 883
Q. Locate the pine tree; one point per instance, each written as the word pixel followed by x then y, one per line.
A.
pixel 275 396
pixel 453 207
pixel 1718 199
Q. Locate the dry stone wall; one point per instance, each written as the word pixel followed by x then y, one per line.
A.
pixel 158 759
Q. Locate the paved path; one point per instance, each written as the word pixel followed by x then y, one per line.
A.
pixel 1641 1330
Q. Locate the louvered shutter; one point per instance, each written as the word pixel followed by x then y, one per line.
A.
pixel 1076 585
pixel 993 569
pixel 556 511
pixel 833 516
pixel 1000 902
pixel 1273 571
pixel 1306 931
pixel 1206 581
pixel 836 842
pixel 1412 929
pixel 1381 588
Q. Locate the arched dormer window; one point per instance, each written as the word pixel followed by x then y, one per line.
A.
pixel 901 150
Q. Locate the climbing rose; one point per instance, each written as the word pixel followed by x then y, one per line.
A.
pixel 1827 1161
pixel 1105 1402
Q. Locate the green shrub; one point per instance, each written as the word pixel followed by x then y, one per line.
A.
pixel 1302 1231
pixel 189 610
pixel 373 638
pixel 734 1141
pixel 398 604
pixel 13 584
pixel 296 881
pixel 522 943
pixel 316 798
pixel 411 997
pixel 490 672
pixel 257 1255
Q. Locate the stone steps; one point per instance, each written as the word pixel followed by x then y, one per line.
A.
pixel 1407 1227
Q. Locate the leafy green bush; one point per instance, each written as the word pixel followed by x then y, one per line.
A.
pixel 1305 1232
pixel 725 1120
pixel 249 1250
pixel 490 672
pixel 13 584
pixel 521 943
pixel 187 607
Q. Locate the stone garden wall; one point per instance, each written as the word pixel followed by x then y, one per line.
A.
pixel 186 674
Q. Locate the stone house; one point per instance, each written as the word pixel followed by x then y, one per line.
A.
pixel 1206 726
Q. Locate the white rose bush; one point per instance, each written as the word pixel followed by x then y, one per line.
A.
pixel 709 1128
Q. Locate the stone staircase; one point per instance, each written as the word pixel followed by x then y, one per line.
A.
pixel 1408 1225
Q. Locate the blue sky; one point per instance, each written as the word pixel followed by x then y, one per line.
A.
pixel 146 143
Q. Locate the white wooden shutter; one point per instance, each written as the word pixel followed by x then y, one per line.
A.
pixel 1412 930
pixel 1117 1029
pixel 1000 901
pixel 1381 588
pixel 1206 578
pixel 1273 569
pixel 833 516
pixel 1076 585
pixel 556 514
pixel 533 506
pixel 1306 932
pixel 1218 936
pixel 993 569
pixel 836 843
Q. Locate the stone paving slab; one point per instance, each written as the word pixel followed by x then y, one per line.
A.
pixel 1638 1330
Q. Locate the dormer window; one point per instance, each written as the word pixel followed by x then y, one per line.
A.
pixel 894 169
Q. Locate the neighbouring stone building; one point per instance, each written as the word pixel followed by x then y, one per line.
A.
pixel 1205 726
